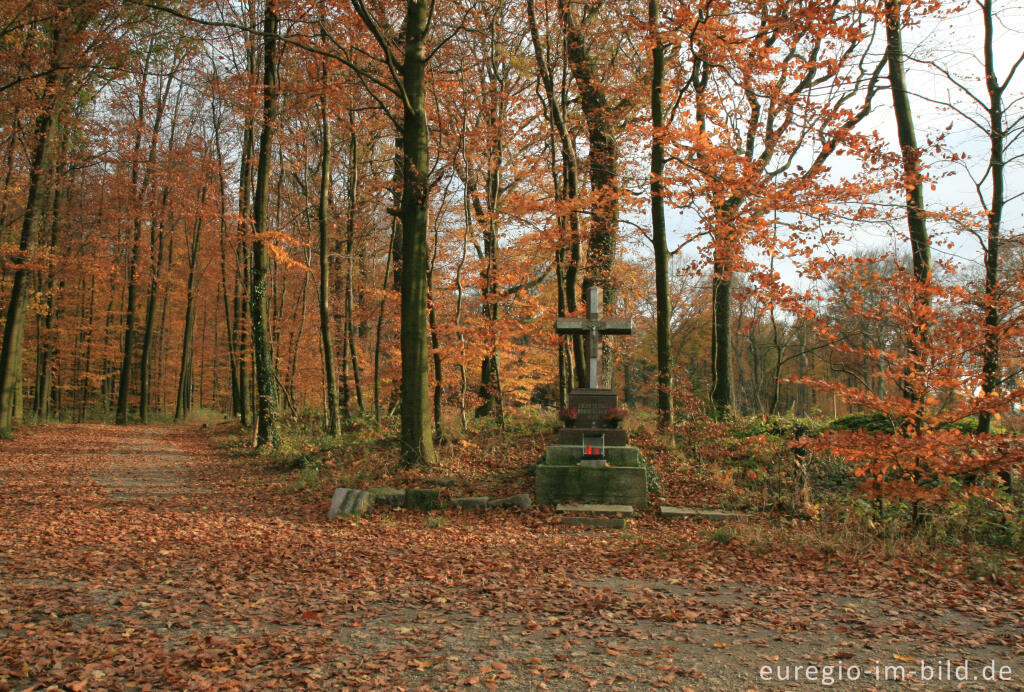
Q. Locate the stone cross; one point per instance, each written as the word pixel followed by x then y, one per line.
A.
pixel 594 327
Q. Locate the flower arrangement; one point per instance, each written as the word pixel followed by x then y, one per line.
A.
pixel 568 415
pixel 615 415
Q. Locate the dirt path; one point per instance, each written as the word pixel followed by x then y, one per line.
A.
pixel 145 466
pixel 139 558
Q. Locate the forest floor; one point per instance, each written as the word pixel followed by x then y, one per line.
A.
pixel 149 558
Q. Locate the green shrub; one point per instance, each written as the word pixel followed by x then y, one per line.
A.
pixel 869 422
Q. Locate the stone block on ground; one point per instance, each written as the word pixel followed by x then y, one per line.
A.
pixel 349 502
pixel 471 502
pixel 596 522
pixel 522 501
pixel 423 499
pixel 624 510
pixel 391 497
pixel 695 513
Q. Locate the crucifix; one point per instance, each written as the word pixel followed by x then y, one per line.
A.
pixel 594 327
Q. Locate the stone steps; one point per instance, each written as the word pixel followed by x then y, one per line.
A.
pixel 669 512
pixel 595 516
pixel 624 510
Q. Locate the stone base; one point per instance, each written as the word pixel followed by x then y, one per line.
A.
pixel 613 437
pixel 570 455
pixel 617 484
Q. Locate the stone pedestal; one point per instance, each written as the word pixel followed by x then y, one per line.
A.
pixel 563 475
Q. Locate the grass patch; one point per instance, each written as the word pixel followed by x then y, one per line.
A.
pixel 723 535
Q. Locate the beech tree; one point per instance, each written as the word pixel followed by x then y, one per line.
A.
pixel 60 27
pixel 1000 121
pixel 410 84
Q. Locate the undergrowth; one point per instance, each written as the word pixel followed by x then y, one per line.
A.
pixel 755 464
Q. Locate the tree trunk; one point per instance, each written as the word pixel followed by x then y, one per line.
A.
pixel 435 344
pixel 603 158
pixel 721 334
pixel 489 302
pixel 380 321
pixel 397 244
pixel 997 132
pixel 156 244
pixel 183 403
pixel 89 335
pixel 46 341
pixel 233 354
pixel 661 257
pixel 263 356
pixel 243 263
pixel 350 234
pixel 323 212
pixel 920 249
pixel 417 445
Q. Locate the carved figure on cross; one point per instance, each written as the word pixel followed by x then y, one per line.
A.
pixel 594 327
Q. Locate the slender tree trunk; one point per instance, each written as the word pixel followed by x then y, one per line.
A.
pixel 460 334
pixel 263 356
pixel 107 387
pixel 162 363
pixel 997 133
pixel 661 258
pixel 243 259
pixel 233 355
pixel 721 327
pixel 397 244
pixel 184 399
pixel 47 341
pixel 323 214
pixel 350 234
pixel 417 442
pixel 380 322
pixel 435 344
pixel 240 328
pixel 297 339
pixel 87 358
pixel 489 300
pixel 156 243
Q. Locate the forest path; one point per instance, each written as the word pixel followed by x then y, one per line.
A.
pixel 145 558
pixel 144 465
